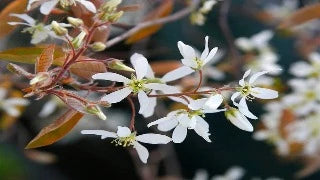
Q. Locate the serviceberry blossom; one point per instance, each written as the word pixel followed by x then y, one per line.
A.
pixel 10 105
pixel 182 120
pixel 305 69
pixel 40 32
pixel 247 91
pixel 191 61
pixel 48 6
pixel 256 42
pixel 138 84
pixel 233 173
pixel 124 137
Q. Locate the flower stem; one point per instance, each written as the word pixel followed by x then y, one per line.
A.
pixel 200 81
pixel 133 114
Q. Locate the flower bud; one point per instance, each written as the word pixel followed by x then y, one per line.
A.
pixel 94 109
pixel 98 46
pixel 76 22
pixel 58 29
pixel 111 5
pixel 115 17
pixel 118 65
pixel 40 77
pixel 77 41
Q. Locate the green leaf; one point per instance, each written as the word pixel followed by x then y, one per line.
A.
pixel 57 130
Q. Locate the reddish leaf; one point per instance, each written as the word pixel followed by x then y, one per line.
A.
pixel 16 6
pixel 44 61
pixel 87 69
pixel 301 16
pixel 29 55
pixel 163 10
pixel 57 130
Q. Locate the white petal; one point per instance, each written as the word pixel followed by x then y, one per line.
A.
pixel 16 102
pixel 142 152
pixel 185 121
pixel 160 87
pixel 213 102
pixel 240 121
pixel 123 131
pixel 158 121
pixel 117 96
pixel 186 51
pixel 149 111
pixel 197 104
pixel 143 101
pixel 234 96
pixel 39 36
pixel 102 133
pixel 179 134
pixel 47 7
pixel 243 108
pixel 189 62
pixel 18 23
pixel 111 77
pixel 210 56
pixel 177 74
pixel 150 73
pixel 47 109
pixel 168 125
pixel 3 93
pixel 30 2
pixel 254 77
pixel 244 44
pixel 206 49
pixel 151 138
pixel 214 73
pixel 301 69
pixel 246 74
pixel 89 5
pixel 202 128
pixel 12 111
pixel 264 93
pixel 25 17
pixel 140 64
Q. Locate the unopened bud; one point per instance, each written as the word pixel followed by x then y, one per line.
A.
pixel 94 109
pixel 77 41
pixel 115 17
pixel 40 77
pixel 111 5
pixel 98 46
pixel 76 22
pixel 118 65
pixel 58 29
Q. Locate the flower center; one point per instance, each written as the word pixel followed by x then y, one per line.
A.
pixel 196 113
pixel 125 141
pixel 310 95
pixel 199 62
pixel 137 85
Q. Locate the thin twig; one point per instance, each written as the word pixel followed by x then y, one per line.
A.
pixel 133 115
pixel 178 15
pixel 200 81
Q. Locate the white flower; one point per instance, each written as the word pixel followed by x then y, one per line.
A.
pixel 258 41
pixel 304 69
pixel 48 6
pixel 39 31
pixel 234 173
pixel 249 91
pixel 182 120
pixel 138 84
pixel 124 137
pixel 305 96
pixel 10 105
pixel 192 62
pixel 238 119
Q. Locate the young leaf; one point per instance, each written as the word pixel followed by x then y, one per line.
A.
pixel 18 70
pixel 87 69
pixel 301 16
pixel 57 130
pixel 163 10
pixel 29 55
pixel 16 6
pixel 44 61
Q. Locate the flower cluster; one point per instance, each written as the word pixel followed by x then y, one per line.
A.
pixel 292 124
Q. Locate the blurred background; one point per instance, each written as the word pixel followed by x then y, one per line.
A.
pixel 279 147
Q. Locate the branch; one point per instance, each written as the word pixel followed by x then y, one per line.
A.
pixel 178 15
